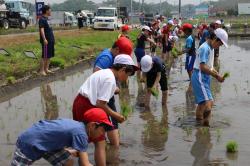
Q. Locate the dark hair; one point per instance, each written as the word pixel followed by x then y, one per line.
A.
pixel 105 126
pixel 45 8
pixel 128 68
pixel 114 45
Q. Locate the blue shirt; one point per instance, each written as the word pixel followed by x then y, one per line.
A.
pixel 51 135
pixel 190 44
pixel 204 36
pixel 104 60
pixel 49 35
pixel 205 55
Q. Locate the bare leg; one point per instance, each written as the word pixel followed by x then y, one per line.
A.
pixel 42 65
pixel 100 153
pixel 113 137
pixel 147 97
pixel 69 162
pixel 207 112
pixel 164 97
pixel 199 111
pixel 47 66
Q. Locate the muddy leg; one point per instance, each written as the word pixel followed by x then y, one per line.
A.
pixel 164 97
pixel 199 111
pixel 100 153
pixel 207 112
pixel 114 139
pixel 147 97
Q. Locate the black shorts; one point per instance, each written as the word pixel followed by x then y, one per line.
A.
pixel 111 104
pixel 153 49
pixel 48 51
pixel 163 81
pixel 167 48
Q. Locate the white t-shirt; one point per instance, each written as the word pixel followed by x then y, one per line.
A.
pixel 101 85
pixel 205 55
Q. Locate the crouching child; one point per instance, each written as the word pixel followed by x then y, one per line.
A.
pixel 155 71
pixel 57 141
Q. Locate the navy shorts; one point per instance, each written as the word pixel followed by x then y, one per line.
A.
pixel 166 48
pixel 139 53
pixel 111 104
pixel 189 65
pixel 48 51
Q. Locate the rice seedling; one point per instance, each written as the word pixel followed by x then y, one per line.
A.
pixel 126 109
pixel 226 75
pixel 154 92
pixel 232 146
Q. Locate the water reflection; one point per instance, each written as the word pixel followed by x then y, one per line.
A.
pixel 201 147
pixel 155 134
pixel 49 102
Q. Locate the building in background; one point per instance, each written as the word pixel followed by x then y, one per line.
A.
pixel 244 7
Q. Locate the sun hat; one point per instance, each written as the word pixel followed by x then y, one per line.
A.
pixel 125 28
pixel 125 46
pixel 186 26
pixel 222 35
pixel 97 115
pixel 125 60
pixel 146 63
pixel 171 22
pixel 146 28
pixel 173 38
pixel 218 22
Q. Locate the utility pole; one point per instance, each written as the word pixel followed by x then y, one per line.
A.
pixel 160 7
pixel 179 8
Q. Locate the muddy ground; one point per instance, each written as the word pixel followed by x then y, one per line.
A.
pixel 161 136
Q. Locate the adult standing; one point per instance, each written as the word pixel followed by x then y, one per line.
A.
pixel 47 40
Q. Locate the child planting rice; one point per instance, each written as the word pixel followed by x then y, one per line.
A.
pixel 155 71
pixel 203 69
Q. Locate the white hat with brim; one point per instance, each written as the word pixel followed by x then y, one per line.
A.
pixel 146 28
pixel 218 22
pixel 171 22
pixel 222 35
pixel 125 60
pixel 146 63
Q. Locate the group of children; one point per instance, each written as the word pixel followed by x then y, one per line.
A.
pixel 94 111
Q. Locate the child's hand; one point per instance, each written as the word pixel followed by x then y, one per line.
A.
pixel 45 42
pixel 120 118
pixel 220 78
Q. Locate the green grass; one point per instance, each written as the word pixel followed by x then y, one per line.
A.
pixel 91 43
pixel 126 110
pixel 232 146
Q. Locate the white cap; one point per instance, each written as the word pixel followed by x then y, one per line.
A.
pixel 146 63
pixel 173 38
pixel 125 60
pixel 171 22
pixel 222 35
pixel 146 28
pixel 218 22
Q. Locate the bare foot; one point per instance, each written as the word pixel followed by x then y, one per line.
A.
pixel 49 72
pixel 42 73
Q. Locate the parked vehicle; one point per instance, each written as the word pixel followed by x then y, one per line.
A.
pixel 62 18
pixel 107 18
pixel 14 13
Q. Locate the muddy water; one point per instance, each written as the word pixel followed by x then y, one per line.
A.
pixel 159 136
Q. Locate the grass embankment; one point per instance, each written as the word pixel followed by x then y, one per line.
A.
pixel 69 49
pixel 31 29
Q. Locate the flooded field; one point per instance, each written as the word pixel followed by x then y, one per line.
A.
pixel 159 136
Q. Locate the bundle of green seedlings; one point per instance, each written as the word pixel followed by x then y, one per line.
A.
pixel 126 109
pixel 226 75
pixel 175 52
pixel 154 92
pixel 232 146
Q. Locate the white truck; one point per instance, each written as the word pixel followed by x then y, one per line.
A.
pixel 107 18
pixel 63 18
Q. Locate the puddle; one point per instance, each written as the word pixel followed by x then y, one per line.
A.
pixel 159 136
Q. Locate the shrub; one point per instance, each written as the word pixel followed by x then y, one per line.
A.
pixel 11 80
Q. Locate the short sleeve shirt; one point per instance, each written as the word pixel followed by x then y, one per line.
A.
pixel 205 34
pixel 141 41
pixel 101 85
pixel 157 65
pixel 104 60
pixel 43 23
pixel 51 135
pixel 205 55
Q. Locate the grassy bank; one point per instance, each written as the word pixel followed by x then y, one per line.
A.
pixel 69 49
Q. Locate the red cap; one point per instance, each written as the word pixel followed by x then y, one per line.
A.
pixel 97 115
pixel 125 46
pixel 125 28
pixel 187 26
